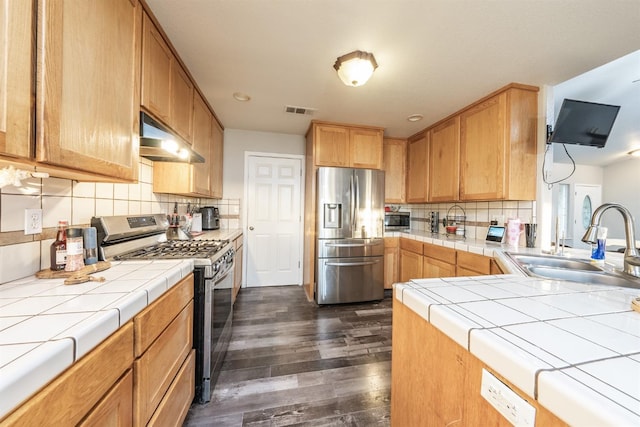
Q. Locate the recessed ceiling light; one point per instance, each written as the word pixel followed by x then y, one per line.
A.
pixel 415 117
pixel 242 97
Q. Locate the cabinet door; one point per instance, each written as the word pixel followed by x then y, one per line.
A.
pixel 181 102
pixel 391 264
pixel 417 157
pixel 365 146
pixel 202 144
pixel 116 408
pixel 444 161
pixel 482 150
pixel 217 164
pixel 433 268
pixel 16 35
pixel 395 167
pixel 88 84
pixel 410 265
pixel 331 145
pixel 156 72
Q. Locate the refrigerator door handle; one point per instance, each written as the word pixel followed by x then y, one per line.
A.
pixel 357 204
pixel 351 245
pixel 352 207
pixel 351 264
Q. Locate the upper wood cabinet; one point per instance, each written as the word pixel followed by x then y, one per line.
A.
pixel 157 60
pixel 87 102
pixel 16 42
pixel 216 161
pixel 498 146
pixel 444 161
pixel 167 89
pixel 347 146
pixel 395 169
pixel 417 171
pixel 181 100
pixel 196 179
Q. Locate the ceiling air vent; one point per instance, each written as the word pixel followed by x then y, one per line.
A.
pixel 299 110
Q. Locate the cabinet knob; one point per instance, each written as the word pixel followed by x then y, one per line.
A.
pixel 251 228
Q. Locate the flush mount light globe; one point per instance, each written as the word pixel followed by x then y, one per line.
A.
pixel 415 117
pixel 242 97
pixel 355 68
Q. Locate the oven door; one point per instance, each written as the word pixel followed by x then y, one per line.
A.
pixel 221 318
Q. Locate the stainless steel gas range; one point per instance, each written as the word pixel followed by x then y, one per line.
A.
pixel 131 237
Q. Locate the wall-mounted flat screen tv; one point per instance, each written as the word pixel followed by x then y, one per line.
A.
pixel 584 123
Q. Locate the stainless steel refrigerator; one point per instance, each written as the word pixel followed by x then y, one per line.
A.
pixel 349 243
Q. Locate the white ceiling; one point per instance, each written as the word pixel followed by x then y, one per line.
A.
pixel 434 56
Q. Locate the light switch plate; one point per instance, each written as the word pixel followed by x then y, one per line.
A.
pixel 32 221
pixel 514 408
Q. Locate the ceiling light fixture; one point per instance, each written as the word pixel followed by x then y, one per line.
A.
pixel 242 97
pixel 415 117
pixel 355 68
pixel 634 153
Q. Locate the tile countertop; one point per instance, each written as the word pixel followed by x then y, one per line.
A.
pixel 575 347
pixel 227 234
pixel 45 326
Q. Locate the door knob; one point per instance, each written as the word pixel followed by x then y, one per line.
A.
pixel 251 228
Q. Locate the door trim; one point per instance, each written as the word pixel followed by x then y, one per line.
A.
pixel 245 213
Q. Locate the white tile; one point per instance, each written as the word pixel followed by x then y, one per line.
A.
pixel 84 189
pixel 56 187
pixel 17 261
pixel 146 173
pixel 104 207
pixel 121 191
pixel 19 379
pixel 91 331
pixel 417 302
pixel 628 322
pixel 82 211
pixel 560 343
pixel 496 313
pixel 134 207
pixel 129 305
pixel 146 192
pixel 585 304
pixel 85 303
pixel 120 207
pixel 581 400
pixel 104 190
pixel 455 294
pixel 452 323
pixel 489 291
pixel 40 328
pixel 34 305
pixel 12 208
pixel 55 209
pixel 619 341
pixel 45 251
pixel 155 288
pixel 28 187
pixel 535 309
pixel 10 352
pixel 511 361
pixel 134 191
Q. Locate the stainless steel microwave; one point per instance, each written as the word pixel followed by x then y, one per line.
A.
pixel 394 221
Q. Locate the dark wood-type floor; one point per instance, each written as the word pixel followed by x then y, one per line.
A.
pixel 291 362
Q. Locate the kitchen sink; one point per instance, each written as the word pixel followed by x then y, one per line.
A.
pixel 572 269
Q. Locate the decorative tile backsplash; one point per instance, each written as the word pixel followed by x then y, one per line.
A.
pixel 478 215
pixel 62 199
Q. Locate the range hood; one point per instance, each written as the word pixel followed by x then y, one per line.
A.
pixel 160 145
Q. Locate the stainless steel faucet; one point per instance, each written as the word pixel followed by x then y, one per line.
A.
pixel 631 255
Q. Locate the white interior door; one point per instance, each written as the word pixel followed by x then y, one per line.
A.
pixel 274 221
pixel 586 198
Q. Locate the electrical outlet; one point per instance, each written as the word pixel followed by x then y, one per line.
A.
pixel 32 221
pixel 515 409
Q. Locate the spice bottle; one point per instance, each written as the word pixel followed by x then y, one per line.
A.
pixel 75 250
pixel 59 248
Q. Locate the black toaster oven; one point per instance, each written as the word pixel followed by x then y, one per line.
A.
pixel 396 221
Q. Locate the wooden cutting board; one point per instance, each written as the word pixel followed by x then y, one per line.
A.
pixel 635 304
pixel 86 270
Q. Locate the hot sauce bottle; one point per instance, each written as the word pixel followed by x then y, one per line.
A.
pixel 59 248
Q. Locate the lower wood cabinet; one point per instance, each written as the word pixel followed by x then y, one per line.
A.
pixel 470 264
pixel 391 261
pixel 436 382
pixel 438 261
pixel 75 393
pixel 410 259
pixel 143 374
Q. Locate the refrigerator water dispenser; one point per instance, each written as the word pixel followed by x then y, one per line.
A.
pixel 332 215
